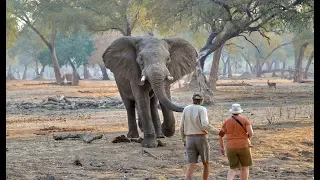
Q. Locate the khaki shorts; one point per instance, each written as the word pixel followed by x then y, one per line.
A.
pixel 239 157
pixel 195 146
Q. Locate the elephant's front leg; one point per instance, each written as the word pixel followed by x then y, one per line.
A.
pixel 155 117
pixel 130 107
pixel 143 106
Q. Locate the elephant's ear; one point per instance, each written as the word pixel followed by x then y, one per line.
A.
pixel 183 57
pixel 120 58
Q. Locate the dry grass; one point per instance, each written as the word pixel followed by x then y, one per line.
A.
pixel 283 144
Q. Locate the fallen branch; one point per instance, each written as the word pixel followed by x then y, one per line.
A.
pixel 236 84
pixel 53 99
pixel 145 151
pixel 88 138
pixel 307 81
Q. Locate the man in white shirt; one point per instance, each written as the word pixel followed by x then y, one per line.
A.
pixel 194 127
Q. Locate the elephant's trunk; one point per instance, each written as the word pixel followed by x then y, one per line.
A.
pixel 157 81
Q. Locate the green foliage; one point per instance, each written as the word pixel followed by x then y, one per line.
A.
pixel 77 46
pixel 45 57
pixel 11 27
pixel 27 44
pixel 122 15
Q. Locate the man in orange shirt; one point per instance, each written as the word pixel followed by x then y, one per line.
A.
pixel 238 130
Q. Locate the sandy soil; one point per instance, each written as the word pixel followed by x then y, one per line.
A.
pixel 282 120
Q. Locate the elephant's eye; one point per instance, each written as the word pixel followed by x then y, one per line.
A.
pixel 168 60
pixel 140 60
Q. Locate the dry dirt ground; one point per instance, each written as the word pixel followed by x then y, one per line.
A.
pixel 282 120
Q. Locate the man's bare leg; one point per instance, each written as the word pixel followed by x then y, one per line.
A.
pixel 232 173
pixel 205 170
pixel 245 173
pixel 191 167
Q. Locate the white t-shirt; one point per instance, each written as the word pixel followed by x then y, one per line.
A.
pixel 194 120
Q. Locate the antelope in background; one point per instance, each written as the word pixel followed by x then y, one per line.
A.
pixel 272 85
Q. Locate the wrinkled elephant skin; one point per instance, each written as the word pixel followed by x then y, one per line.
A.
pixel 144 68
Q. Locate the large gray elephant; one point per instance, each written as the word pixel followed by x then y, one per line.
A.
pixel 162 62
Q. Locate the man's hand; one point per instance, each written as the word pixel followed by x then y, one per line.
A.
pixel 223 152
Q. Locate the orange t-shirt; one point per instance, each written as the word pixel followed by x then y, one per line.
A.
pixel 236 135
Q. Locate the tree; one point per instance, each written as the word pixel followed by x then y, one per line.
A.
pixel 105 16
pixel 11 26
pixel 46 18
pixel 305 76
pixel 236 18
pixel 74 49
pixel 120 15
pixel 301 42
pixel 44 57
pixel 101 42
pixel 26 47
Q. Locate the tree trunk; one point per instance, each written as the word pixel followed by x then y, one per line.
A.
pixel 17 71
pixel 55 63
pixel 208 43
pixel 10 74
pixel 298 69
pixel 85 71
pixel 215 68
pixel 74 68
pixel 9 70
pixel 308 65
pixel 224 72
pixel 247 68
pixel 274 68
pixel 37 68
pixel 247 61
pixel 42 71
pixel 277 64
pixel 75 78
pixel 104 72
pixel 24 77
pixel 229 68
pixel 52 48
pixel 258 68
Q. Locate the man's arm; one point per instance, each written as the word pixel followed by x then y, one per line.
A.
pixel 221 139
pixel 249 130
pixel 222 145
pixel 204 121
pixel 181 129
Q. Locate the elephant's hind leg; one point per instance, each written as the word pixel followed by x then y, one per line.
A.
pixel 130 107
pixel 155 117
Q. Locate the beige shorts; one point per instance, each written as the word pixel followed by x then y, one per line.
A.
pixel 197 146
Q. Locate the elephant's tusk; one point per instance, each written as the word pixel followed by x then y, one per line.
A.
pixel 170 78
pixel 143 78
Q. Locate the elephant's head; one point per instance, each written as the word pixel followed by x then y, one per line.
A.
pixel 160 61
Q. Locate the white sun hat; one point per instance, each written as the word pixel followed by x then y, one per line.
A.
pixel 236 109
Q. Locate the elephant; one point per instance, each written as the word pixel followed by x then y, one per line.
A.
pixel 162 62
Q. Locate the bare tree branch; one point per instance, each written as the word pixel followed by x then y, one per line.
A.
pixel 247 60
pixel 27 21
pixel 229 44
pixel 135 20
pixel 265 36
pixel 252 44
pixel 107 29
pixel 264 21
pixel 279 46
